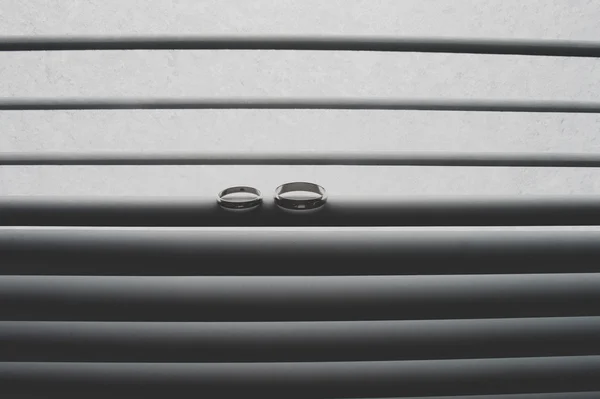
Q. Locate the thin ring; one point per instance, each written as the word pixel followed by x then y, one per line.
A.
pixel 245 204
pixel 300 204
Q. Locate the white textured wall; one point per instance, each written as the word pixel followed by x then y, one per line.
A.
pixel 287 73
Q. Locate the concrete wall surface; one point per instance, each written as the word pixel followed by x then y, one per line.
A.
pixel 226 74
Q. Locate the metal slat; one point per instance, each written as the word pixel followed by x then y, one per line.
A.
pixel 564 48
pixel 255 251
pixel 297 341
pixel 481 105
pixel 339 211
pixel 298 298
pixel 308 158
pixel 324 379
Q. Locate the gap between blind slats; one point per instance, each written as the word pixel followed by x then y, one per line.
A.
pixel 280 251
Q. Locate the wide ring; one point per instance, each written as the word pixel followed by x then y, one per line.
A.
pixel 300 203
pixel 236 203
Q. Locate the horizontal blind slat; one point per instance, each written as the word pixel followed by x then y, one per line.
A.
pixel 297 341
pixel 346 380
pixel 565 48
pixel 281 251
pixel 340 210
pixel 349 158
pixel 473 105
pixel 298 298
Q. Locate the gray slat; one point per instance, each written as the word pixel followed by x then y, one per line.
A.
pixel 316 103
pixel 296 380
pixel 563 48
pixel 297 341
pixel 298 298
pixel 288 251
pixel 348 158
pixel 338 211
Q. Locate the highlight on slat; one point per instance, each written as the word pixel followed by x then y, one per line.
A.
pixel 297 298
pixel 560 48
pixel 289 251
pixel 560 395
pixel 297 341
pixel 312 379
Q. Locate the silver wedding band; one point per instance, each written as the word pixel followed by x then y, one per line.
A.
pixel 237 203
pixel 300 203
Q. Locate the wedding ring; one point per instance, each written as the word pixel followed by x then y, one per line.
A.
pixel 300 196
pixel 239 197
